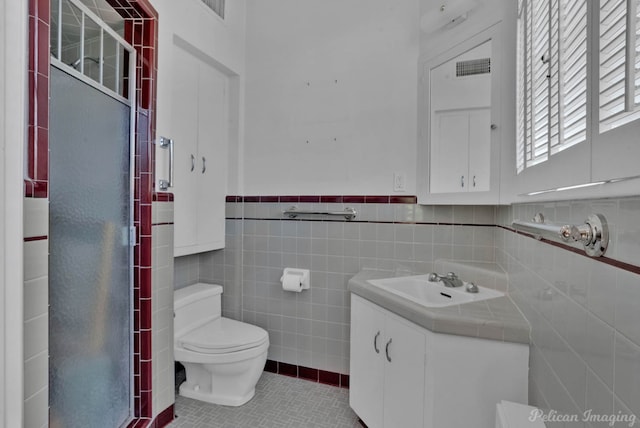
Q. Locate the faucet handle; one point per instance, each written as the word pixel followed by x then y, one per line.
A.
pixel 433 277
pixel 451 275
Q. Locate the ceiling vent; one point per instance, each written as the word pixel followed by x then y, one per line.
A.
pixel 473 67
pixel 215 5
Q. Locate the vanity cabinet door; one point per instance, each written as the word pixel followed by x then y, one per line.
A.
pixel 366 370
pixel 386 367
pixel 404 351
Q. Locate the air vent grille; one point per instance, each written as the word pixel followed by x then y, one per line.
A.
pixel 215 5
pixel 473 67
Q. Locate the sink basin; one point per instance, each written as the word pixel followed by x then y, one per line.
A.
pixel 429 294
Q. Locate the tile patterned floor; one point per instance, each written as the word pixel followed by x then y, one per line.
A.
pixel 280 402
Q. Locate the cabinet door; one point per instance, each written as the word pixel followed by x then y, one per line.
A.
pixel 449 152
pixel 479 150
pixel 213 131
pixel 366 369
pixel 404 351
pixel 184 131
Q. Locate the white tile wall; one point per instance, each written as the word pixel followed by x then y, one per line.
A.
pixel 162 320
pixel 585 315
pixel 36 314
pixel 312 328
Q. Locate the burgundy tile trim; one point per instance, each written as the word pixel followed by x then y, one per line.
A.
pixel 329 378
pixel 403 199
pixel 36 189
pixel 308 373
pixel 162 224
pixel 269 199
pixel 344 381
pixel 606 260
pixel 162 197
pixel 331 199
pixel 165 417
pixel 376 199
pixel 271 366
pixel 35 238
pixel 353 199
pixel 288 369
pixel 328 199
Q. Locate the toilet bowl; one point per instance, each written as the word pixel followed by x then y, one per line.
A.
pixel 223 358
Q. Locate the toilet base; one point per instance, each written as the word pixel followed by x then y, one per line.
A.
pixel 188 391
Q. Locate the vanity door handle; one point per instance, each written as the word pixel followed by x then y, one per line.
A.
pixel 375 342
pixel 474 181
pixel 386 350
pixel 462 181
pixel 193 163
pixel 204 164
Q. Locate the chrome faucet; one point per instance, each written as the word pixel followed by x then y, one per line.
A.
pixel 449 280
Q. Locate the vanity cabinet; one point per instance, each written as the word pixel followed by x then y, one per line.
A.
pixel 403 375
pixel 386 367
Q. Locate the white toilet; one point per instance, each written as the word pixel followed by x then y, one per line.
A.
pixel 223 358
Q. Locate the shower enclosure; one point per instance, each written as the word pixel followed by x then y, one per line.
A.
pixel 90 223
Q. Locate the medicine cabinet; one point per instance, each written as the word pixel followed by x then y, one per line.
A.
pixel 459 123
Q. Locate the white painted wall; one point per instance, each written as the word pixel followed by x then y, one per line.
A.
pixel 340 75
pixel 223 41
pixel 13 66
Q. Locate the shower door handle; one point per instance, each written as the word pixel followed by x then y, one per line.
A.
pixel 165 143
pixel 204 164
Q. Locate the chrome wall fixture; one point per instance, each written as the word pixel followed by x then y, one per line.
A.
pixel 348 213
pixel 593 234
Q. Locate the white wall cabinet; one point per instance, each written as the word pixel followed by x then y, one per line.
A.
pixel 426 379
pixel 386 367
pixel 460 131
pixel 460 151
pixel 198 96
pixel 199 128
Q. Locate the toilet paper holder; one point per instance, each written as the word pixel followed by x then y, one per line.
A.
pixel 303 274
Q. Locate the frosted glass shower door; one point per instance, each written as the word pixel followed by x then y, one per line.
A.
pixel 90 263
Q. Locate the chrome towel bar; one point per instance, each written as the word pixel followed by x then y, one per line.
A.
pixel 593 234
pixel 348 213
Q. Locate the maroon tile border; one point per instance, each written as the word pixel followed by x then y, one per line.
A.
pixel 35 238
pixel 335 199
pixel 307 373
pixel 163 197
pixel 164 418
pixel 606 260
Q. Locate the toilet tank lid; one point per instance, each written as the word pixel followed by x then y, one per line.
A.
pixel 195 292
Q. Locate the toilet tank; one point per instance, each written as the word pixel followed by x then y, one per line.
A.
pixel 195 305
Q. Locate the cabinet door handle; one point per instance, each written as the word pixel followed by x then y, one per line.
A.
pixel 193 163
pixel 462 181
pixel 375 342
pixel 474 181
pixel 204 164
pixel 386 350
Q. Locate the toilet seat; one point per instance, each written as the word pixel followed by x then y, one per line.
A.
pixel 222 336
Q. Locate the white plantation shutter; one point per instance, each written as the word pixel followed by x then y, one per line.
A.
pixel 619 63
pixel 573 74
pixel 216 5
pixel 552 78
